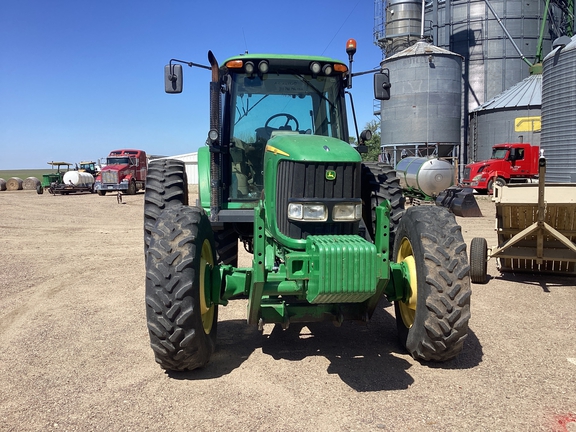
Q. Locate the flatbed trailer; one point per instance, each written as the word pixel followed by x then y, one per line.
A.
pixel 536 227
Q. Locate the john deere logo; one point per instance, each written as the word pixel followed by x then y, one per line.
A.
pixel 330 175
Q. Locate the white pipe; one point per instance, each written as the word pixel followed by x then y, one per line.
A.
pixel 422 21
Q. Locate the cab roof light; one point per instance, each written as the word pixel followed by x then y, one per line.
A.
pixel 249 68
pixel 263 67
pixel 234 64
pixel 338 67
pixel 315 68
pixel 327 69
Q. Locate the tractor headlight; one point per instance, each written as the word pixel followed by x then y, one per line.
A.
pixel 307 212
pixel 347 212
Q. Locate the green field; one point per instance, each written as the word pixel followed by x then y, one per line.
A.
pixel 25 173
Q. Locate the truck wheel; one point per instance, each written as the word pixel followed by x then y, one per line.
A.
pixel 166 186
pixel 182 321
pixel 227 245
pixel 101 193
pixel 39 189
pixel 131 188
pixel 433 323
pixel 478 260
pixel 499 182
pixel 379 182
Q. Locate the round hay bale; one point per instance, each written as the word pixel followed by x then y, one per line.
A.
pixel 31 183
pixel 14 183
pixel 2 184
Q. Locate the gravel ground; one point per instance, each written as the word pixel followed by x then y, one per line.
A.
pixel 75 351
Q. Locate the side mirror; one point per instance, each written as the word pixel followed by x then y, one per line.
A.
pixel 382 86
pixel 366 135
pixel 173 77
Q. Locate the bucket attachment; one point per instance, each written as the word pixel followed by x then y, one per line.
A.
pixel 459 201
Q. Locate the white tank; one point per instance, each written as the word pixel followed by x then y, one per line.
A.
pixel 80 179
pixel 430 176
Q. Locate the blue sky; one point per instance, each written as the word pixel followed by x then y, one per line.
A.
pixel 79 78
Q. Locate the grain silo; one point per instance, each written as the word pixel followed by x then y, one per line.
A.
pixel 559 112
pixel 423 115
pixel 398 25
pixel 512 116
pixel 472 29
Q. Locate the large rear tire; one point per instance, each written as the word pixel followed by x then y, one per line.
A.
pixel 182 320
pixel 379 182
pixel 227 245
pixel 433 323
pixel 166 187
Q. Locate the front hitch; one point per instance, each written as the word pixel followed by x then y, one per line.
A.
pixel 399 287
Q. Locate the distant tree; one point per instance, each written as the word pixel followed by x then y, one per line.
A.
pixel 374 143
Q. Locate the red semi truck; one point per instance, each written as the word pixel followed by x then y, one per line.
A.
pixel 510 162
pixel 125 171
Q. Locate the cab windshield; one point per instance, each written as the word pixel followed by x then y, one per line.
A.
pixel 118 160
pixel 263 107
pixel 286 103
pixel 499 153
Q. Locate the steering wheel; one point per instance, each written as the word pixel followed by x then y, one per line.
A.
pixel 289 117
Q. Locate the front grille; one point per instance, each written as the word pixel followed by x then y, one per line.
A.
pixel 110 177
pixel 307 180
pixel 467 174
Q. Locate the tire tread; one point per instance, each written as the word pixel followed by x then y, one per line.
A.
pixel 441 326
pixel 175 328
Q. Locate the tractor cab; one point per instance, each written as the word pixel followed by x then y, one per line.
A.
pixel 267 97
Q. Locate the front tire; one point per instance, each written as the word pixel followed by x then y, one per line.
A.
pixel 498 182
pixel 182 320
pixel 131 188
pixel 433 322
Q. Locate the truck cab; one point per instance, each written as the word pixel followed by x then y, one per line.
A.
pixel 125 171
pixel 509 162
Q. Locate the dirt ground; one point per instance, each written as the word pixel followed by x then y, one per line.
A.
pixel 75 353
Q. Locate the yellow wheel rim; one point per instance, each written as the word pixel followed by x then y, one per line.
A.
pixel 206 263
pixel 408 309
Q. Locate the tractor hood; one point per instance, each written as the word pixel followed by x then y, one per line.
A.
pixel 304 168
pixel 304 147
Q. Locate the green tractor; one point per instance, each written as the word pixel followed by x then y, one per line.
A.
pixel 329 235
pixel 55 178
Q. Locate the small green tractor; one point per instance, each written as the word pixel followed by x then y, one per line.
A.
pixel 329 234
pixel 49 181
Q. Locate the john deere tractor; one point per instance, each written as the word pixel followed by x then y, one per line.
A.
pixel 328 234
